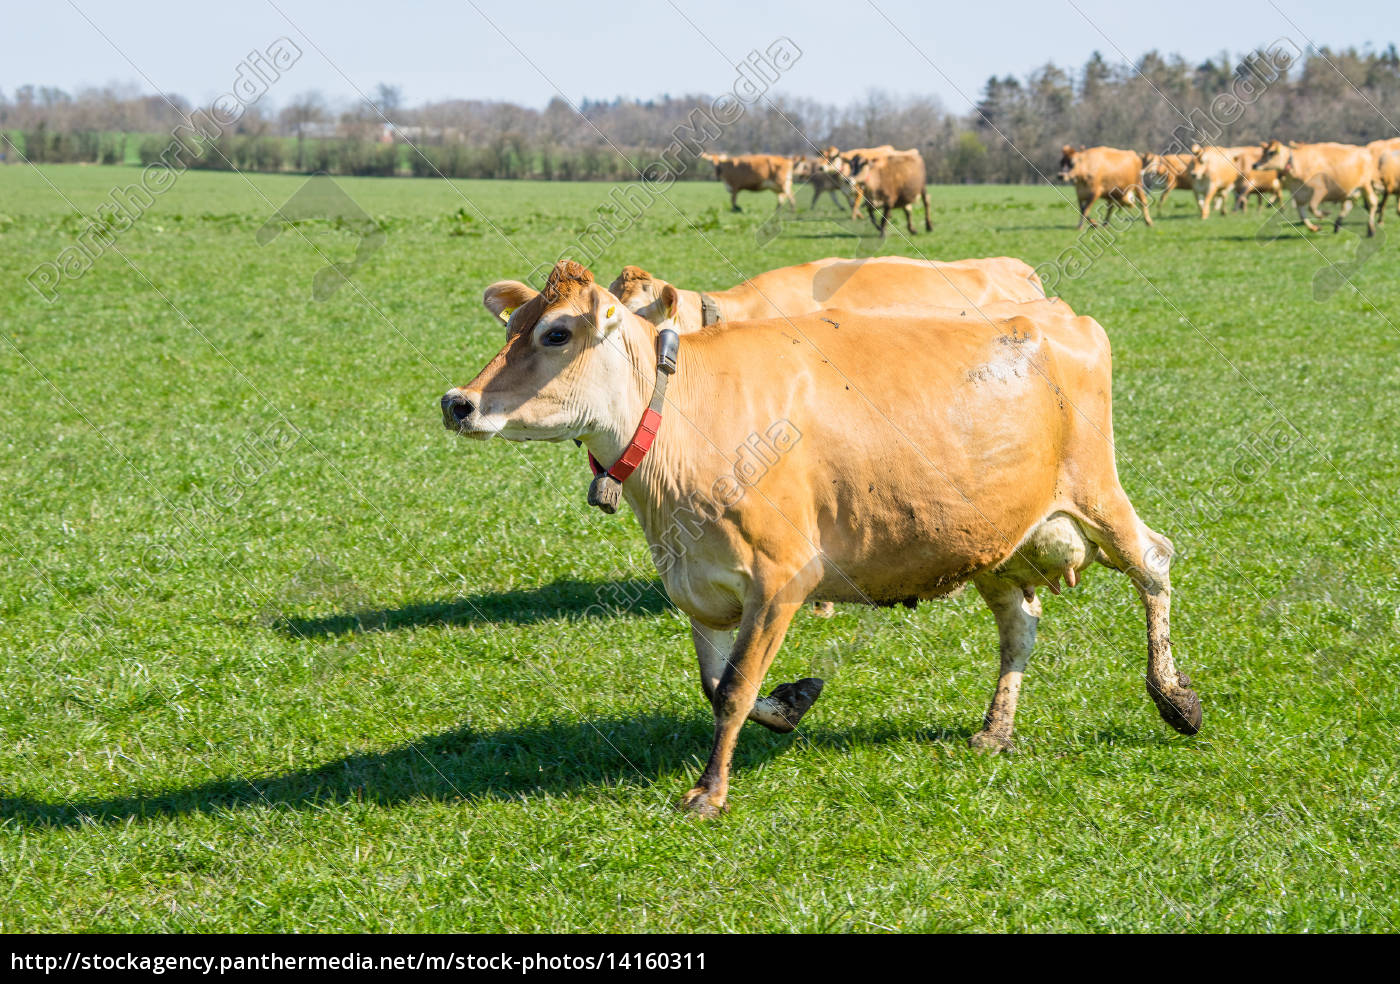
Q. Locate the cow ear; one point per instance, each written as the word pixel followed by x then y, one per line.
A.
pixel 505 296
pixel 1067 150
pixel 670 302
pixel 606 313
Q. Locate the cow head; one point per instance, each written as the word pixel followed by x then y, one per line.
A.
pixel 574 363
pixel 1153 167
pixel 715 159
pixel 642 294
pixel 1067 154
pixel 1277 157
pixel 1198 163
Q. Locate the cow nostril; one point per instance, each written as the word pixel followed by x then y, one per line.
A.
pixel 457 406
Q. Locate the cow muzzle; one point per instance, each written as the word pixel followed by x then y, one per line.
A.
pixel 458 409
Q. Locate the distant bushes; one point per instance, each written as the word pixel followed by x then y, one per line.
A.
pixel 44 146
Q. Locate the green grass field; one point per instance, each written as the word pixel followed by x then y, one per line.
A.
pixel 281 654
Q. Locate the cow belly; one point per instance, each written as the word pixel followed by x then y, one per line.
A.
pixel 890 538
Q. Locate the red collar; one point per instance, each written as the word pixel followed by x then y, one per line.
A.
pixel 606 490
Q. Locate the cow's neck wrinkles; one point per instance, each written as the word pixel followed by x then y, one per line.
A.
pixel 664 477
pixel 610 436
pixel 691 313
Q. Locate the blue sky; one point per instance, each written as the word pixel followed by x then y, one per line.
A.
pixel 461 48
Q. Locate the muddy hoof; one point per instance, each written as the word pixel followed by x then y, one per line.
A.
pixel 796 699
pixel 700 802
pixel 823 609
pixel 1181 708
pixel 991 743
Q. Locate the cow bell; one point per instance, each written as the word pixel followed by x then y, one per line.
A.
pixel 605 493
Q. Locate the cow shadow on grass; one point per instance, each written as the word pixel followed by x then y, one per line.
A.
pixel 467 766
pixel 522 606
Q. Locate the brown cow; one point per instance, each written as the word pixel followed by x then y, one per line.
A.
pixel 1265 185
pixel 1108 173
pixel 1173 169
pixel 1383 146
pixel 895 180
pixel 1215 172
pixel 851 161
pixel 885 284
pixel 904 457
pixel 1388 177
pixel 825 173
pixel 1324 172
pixel 754 172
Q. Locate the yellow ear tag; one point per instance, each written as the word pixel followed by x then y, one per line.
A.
pixel 506 313
pixel 611 309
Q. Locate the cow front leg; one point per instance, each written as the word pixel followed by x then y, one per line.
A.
pixel 781 710
pixel 1017 612
pixel 1302 201
pixel 1086 203
pixel 767 615
pixel 734 200
pixel 1341 215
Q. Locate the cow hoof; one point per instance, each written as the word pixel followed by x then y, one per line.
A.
pixel 796 700
pixel 823 609
pixel 700 802
pixel 1180 708
pixel 991 743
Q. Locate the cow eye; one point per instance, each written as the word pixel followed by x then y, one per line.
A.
pixel 556 336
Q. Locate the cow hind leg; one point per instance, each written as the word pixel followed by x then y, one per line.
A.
pixel 734 200
pixel 1145 556
pixel 1142 199
pixel 1017 612
pixel 928 219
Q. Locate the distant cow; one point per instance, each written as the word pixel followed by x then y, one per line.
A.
pixel 885 284
pixel 1383 146
pixel 1108 173
pixel 825 173
pixel 1216 171
pixel 1388 177
pixel 754 172
pixel 1174 170
pixel 897 180
pixel 904 457
pixel 1264 185
pixel 1324 172
pixel 851 161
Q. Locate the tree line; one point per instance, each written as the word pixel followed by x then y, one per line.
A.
pixel 1012 135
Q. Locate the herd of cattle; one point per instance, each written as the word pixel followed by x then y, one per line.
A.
pixel 921 425
pixel 883 178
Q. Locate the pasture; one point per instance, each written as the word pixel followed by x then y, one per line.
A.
pixel 281 654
